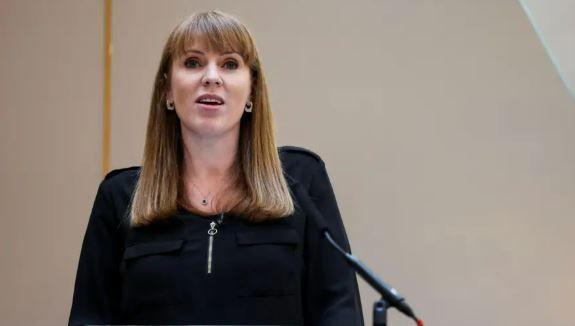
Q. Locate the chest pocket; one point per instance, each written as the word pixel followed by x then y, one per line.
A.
pixel 149 271
pixel 267 261
pixel 143 249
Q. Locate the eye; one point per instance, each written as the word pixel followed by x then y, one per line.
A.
pixel 191 63
pixel 231 64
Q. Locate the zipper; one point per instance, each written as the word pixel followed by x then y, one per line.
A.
pixel 212 232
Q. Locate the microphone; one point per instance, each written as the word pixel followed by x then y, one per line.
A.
pixel 388 293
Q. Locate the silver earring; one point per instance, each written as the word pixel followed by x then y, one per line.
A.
pixel 249 106
pixel 170 105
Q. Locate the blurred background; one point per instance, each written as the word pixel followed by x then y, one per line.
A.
pixel 447 128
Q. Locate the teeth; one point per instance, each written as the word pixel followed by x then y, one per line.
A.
pixel 209 100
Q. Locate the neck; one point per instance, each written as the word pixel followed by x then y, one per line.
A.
pixel 208 159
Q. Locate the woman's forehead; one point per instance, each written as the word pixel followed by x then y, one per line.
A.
pixel 207 44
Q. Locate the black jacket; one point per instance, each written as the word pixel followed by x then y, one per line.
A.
pixel 274 273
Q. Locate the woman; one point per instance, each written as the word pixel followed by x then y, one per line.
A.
pixel 218 226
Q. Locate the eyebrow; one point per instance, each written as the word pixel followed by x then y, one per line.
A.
pixel 202 53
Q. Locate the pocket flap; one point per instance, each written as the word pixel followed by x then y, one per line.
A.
pixel 142 249
pixel 261 236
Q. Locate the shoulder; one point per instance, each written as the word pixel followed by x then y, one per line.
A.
pixel 122 171
pixel 299 164
pixel 121 175
pixel 299 155
pixel 120 183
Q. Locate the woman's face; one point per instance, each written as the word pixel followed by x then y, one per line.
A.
pixel 223 77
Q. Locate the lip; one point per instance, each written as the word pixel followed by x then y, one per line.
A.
pixel 211 96
pixel 209 107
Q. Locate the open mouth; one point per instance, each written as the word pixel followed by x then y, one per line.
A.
pixel 210 104
pixel 210 100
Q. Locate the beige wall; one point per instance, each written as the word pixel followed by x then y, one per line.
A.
pixel 447 133
pixel 50 134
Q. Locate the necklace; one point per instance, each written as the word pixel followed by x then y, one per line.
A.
pixel 205 201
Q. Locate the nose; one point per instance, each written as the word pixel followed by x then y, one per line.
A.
pixel 211 77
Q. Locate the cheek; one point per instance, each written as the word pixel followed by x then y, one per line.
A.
pixel 242 88
pixel 183 84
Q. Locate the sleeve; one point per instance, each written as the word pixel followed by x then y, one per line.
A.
pixel 97 289
pixel 332 295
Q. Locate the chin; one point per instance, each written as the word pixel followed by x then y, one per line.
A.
pixel 207 127
pixel 205 130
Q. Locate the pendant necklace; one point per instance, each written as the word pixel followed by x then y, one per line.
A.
pixel 204 201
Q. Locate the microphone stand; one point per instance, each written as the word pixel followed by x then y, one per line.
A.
pixel 389 296
pixel 380 312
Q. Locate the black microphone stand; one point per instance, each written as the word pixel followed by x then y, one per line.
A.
pixel 389 296
pixel 380 312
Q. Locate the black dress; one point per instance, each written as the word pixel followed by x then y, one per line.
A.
pixel 275 273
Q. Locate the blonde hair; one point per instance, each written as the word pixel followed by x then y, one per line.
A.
pixel 258 173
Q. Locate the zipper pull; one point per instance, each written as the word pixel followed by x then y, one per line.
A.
pixel 211 232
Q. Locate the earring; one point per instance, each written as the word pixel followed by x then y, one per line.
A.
pixel 170 105
pixel 249 106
